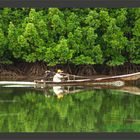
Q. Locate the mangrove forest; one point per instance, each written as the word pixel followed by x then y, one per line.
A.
pixel 79 40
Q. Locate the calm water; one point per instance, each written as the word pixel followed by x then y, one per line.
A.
pixel 27 109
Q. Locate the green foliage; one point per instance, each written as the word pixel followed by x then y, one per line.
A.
pixel 134 43
pixel 115 43
pixel 78 36
pixel 3 42
pixel 83 60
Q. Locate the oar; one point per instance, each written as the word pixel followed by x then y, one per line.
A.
pixel 76 76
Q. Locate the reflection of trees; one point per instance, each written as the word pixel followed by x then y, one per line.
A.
pixel 100 110
pixel 122 113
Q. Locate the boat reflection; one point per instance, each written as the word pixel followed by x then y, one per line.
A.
pixel 60 91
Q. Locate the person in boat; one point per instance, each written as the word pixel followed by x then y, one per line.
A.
pixel 58 90
pixel 47 75
pixel 58 76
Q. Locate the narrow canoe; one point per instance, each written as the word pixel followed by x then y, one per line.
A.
pixel 112 80
pixel 126 77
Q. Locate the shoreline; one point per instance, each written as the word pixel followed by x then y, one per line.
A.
pixel 31 71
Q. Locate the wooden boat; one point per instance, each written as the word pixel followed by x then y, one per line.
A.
pixel 112 80
pixel 127 77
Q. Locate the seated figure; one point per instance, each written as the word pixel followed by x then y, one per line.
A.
pixel 58 76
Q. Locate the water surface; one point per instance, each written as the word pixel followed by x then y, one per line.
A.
pixel 84 109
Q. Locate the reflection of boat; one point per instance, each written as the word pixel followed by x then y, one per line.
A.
pixel 75 89
pixel 112 80
pixel 128 89
pixel 85 82
pixel 134 90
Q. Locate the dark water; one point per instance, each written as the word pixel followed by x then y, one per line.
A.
pixel 82 110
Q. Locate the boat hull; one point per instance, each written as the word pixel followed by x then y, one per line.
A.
pixel 113 80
